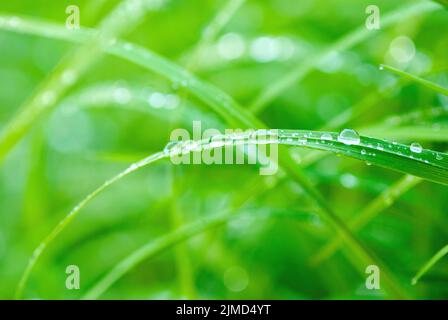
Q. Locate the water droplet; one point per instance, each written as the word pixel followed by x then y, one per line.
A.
pixel 172 147
pixel 157 100
pixel 231 46
pixel 69 77
pixel 191 145
pixel 128 46
pixel 363 152
pixel 121 95
pixel 416 147
pixel 348 180
pixel 14 22
pixel 439 156
pixel 380 147
pixel 381 67
pixel 349 137
pixel 48 98
pixel 133 167
pixel 327 136
pixel 172 101
pixel 215 142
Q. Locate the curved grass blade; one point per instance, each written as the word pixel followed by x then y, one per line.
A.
pixel 437 257
pixel 346 42
pixel 72 214
pixel 397 157
pixel 429 84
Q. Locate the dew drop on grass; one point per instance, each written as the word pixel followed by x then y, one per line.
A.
pixel 128 47
pixel 363 152
pixel 416 147
pixel 439 156
pixel 14 22
pixel 348 180
pixel 171 147
pixel 69 77
pixel 302 140
pixel 349 137
pixel 326 136
pixel 48 98
pixel 121 95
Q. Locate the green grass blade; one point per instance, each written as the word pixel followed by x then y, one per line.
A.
pixel 346 42
pixel 427 164
pixel 436 258
pixel 72 214
pixel 431 85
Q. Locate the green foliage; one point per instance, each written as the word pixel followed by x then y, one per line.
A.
pixel 113 92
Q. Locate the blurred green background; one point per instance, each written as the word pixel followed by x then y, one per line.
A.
pixel 111 118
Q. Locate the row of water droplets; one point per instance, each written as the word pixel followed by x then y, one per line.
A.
pixel 223 140
pixel 297 138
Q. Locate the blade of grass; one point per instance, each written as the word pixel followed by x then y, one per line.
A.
pixel 431 85
pixel 428 265
pixel 346 42
pixel 72 214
